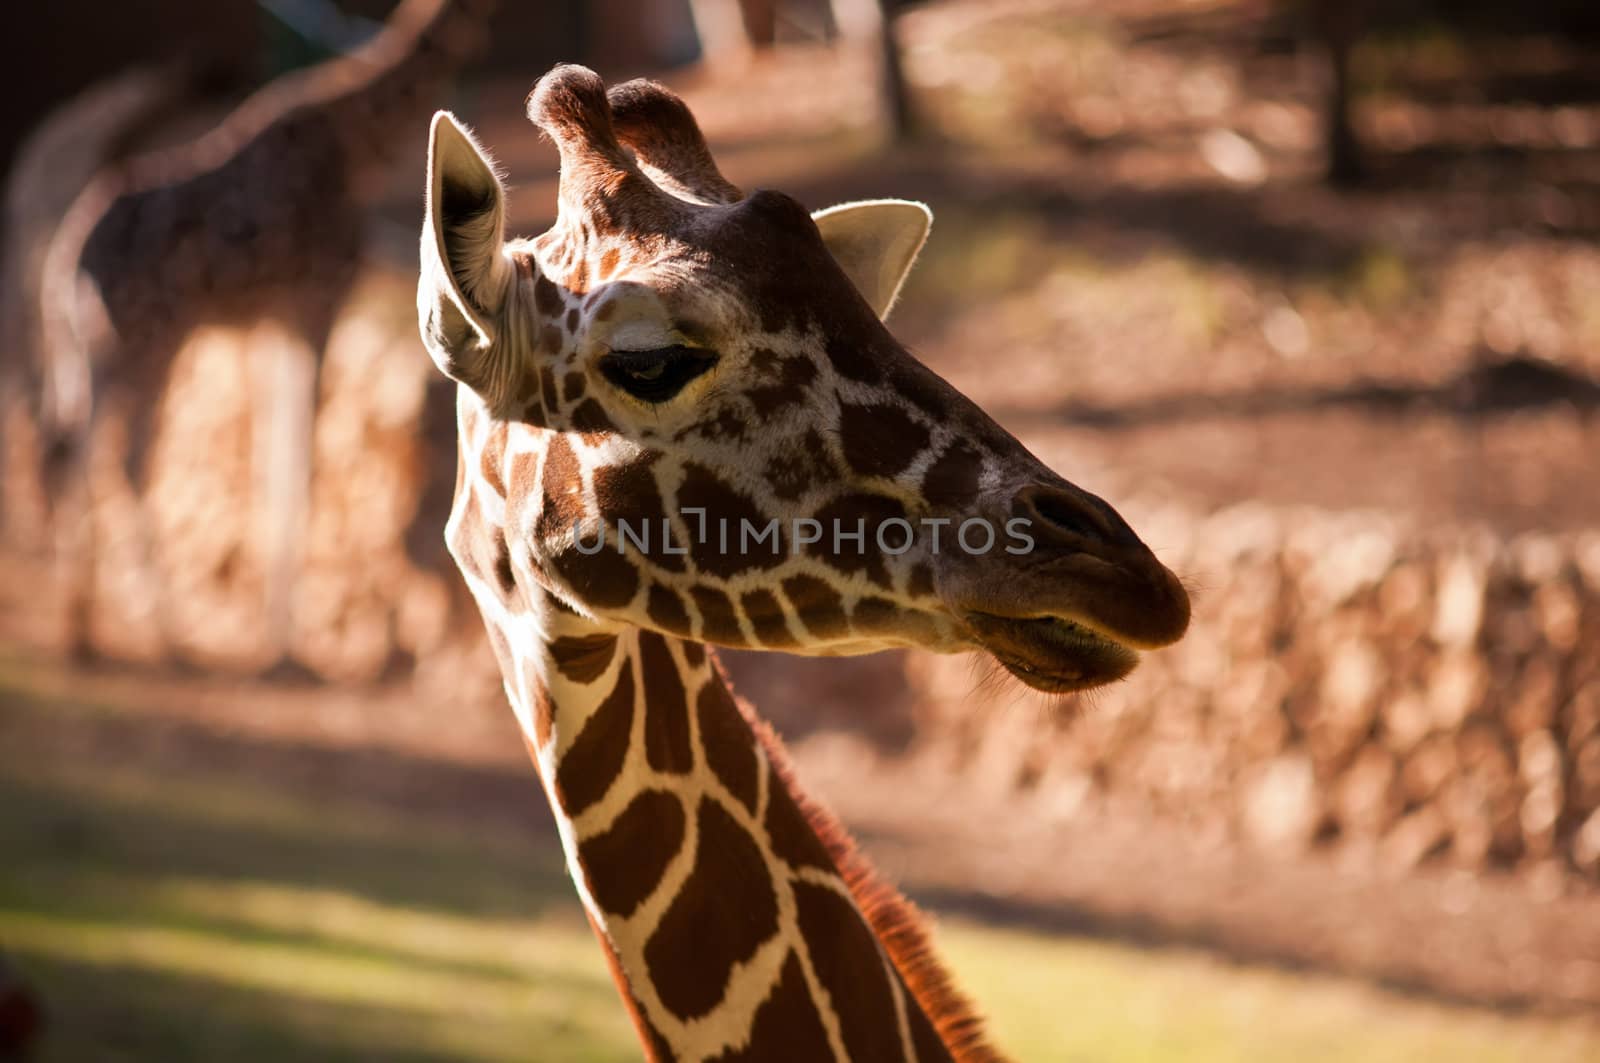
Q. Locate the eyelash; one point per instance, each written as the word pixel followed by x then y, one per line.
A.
pixel 665 371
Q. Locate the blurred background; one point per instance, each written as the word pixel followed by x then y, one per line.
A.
pixel 1309 290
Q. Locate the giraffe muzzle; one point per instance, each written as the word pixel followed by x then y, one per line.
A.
pixel 1072 612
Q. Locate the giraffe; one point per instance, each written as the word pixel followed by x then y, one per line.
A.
pixel 57 159
pixel 681 364
pixel 259 219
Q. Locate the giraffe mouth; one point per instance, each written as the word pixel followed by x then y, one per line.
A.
pixel 1051 653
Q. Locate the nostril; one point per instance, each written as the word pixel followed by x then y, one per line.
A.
pixel 1065 514
pixel 1070 511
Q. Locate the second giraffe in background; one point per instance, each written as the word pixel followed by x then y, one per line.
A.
pixel 259 220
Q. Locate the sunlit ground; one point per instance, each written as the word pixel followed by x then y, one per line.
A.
pixel 195 915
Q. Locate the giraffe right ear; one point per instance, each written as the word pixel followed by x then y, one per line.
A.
pixel 464 275
pixel 876 241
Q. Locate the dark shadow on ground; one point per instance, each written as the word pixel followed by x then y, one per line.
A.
pixel 43 808
pixel 112 1012
pixel 1210 221
pixel 1485 389
pixel 135 1013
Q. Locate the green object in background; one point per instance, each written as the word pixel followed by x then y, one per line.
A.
pixel 300 33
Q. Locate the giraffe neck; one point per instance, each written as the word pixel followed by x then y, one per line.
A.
pixel 733 931
pixel 395 78
pixel 369 101
pixel 739 922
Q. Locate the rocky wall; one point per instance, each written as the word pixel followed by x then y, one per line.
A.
pixel 1400 695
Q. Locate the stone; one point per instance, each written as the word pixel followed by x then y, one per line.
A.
pixel 1406 719
pixel 1458 605
pixel 1351 681
pixel 1365 798
pixel 1559 612
pixel 1533 706
pixel 1455 689
pixel 1428 767
pixel 1281 804
pixel 1414 839
pixel 1586 774
pixel 1586 845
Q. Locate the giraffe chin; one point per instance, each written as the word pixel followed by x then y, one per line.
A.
pixel 1052 654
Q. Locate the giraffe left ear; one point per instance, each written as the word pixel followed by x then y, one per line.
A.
pixel 876 241
pixel 464 271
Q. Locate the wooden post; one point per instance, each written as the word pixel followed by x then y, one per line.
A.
pixel 864 20
pixel 1338 25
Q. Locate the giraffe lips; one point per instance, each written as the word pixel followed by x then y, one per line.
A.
pixel 1052 654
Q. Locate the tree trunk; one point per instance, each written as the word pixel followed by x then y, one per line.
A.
pixel 760 19
pixel 722 27
pixel 1346 163
pixel 1338 27
pixel 871 21
pixel 903 123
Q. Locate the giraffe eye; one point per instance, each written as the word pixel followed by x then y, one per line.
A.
pixel 656 376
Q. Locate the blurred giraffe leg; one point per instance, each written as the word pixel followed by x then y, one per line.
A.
pixel 70 518
pixel 858 20
pixel 721 27
pixel 282 435
pixel 139 416
pixel 20 518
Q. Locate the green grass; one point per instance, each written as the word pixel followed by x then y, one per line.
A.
pixel 1108 1002
pixel 196 914
pixel 168 920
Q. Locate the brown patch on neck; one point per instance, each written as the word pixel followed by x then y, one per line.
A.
pixel 542 710
pixel 726 742
pixel 595 759
pixel 666 722
pixel 895 921
pixel 625 864
pixel 666 610
pixel 725 910
pixel 583 658
pixel 694 653
pixel 786 1025
pixel 851 969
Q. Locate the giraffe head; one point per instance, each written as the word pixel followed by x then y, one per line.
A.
pixel 683 411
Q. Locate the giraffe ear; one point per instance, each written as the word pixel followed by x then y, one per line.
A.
pixel 464 269
pixel 876 241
